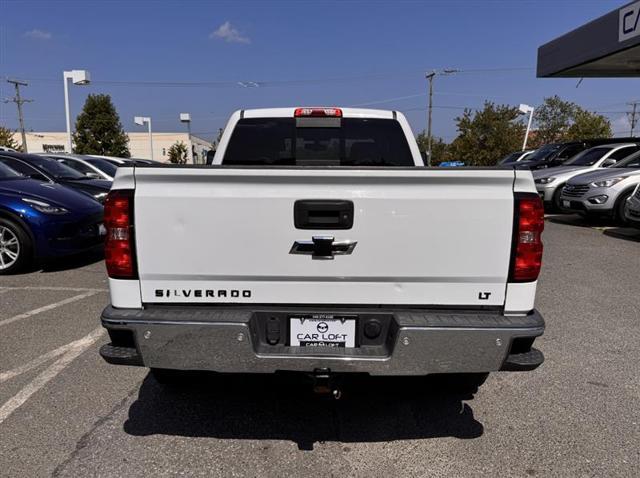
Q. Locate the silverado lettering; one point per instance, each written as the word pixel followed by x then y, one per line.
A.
pixel 186 293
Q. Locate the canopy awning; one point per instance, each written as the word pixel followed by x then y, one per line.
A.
pixel 606 47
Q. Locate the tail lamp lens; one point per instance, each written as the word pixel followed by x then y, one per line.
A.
pixel 527 260
pixel 119 245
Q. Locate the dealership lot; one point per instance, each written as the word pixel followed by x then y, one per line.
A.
pixel 64 412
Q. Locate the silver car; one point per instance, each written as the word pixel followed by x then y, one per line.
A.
pixel 603 192
pixel 91 167
pixel 632 210
pixel 550 181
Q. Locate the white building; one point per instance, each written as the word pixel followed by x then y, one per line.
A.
pixel 56 142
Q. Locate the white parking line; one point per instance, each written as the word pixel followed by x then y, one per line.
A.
pixel 70 289
pixel 4 376
pixel 45 308
pixel 74 350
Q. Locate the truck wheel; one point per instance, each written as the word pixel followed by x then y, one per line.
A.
pixel 463 383
pixel 15 247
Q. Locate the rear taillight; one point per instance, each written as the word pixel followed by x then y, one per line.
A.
pixel 119 250
pixel 526 258
pixel 318 112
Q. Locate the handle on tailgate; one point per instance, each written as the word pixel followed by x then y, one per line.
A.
pixel 323 214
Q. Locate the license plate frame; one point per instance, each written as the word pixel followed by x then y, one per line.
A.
pixel 318 331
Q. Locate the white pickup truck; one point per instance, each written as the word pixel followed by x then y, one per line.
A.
pixel 318 242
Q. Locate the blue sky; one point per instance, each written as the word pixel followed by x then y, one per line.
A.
pixel 300 53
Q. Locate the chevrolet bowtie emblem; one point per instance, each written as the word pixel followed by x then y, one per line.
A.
pixel 323 247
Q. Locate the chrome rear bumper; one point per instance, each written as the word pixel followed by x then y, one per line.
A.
pixel 231 340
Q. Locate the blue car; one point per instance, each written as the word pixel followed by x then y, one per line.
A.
pixel 40 220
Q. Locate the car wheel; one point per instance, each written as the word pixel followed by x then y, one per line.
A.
pixel 618 212
pixel 557 205
pixel 15 247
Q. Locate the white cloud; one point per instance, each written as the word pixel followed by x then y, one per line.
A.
pixel 228 33
pixel 38 34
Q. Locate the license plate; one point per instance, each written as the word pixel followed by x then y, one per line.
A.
pixel 566 203
pixel 322 331
pixel 102 231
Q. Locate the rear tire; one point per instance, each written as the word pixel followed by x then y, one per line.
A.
pixel 15 247
pixel 463 383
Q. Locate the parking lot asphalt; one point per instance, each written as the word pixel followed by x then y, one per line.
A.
pixel 64 412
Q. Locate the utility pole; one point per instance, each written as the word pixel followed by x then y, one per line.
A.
pixel 19 101
pixel 633 118
pixel 429 77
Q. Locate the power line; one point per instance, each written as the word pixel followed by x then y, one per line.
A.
pixel 287 82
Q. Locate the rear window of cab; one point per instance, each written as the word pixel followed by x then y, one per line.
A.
pixel 318 142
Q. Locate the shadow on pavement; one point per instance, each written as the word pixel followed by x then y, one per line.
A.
pixel 372 409
pixel 610 227
pixel 625 233
pixel 71 262
pixel 581 221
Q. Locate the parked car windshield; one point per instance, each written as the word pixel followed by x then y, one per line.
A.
pixel 543 152
pixel 103 165
pixel 318 142
pixel 510 158
pixel 588 157
pixel 54 168
pixel 7 173
pixel 632 161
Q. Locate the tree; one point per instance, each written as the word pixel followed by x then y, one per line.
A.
pixel 98 129
pixel 178 153
pixel 439 149
pixel 588 125
pixel 558 120
pixel 6 139
pixel 487 135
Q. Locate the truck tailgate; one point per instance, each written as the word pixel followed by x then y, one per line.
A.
pixel 423 236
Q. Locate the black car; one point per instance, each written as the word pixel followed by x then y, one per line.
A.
pixel 47 169
pixel 555 154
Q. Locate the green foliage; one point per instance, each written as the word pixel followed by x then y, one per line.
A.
pixel 588 125
pixel 557 120
pixel 6 139
pixel 439 149
pixel 486 135
pixel 178 153
pixel 98 129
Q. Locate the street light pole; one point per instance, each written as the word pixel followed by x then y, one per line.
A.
pixel 186 118
pixel 150 138
pixel 141 120
pixel 527 109
pixel 78 77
